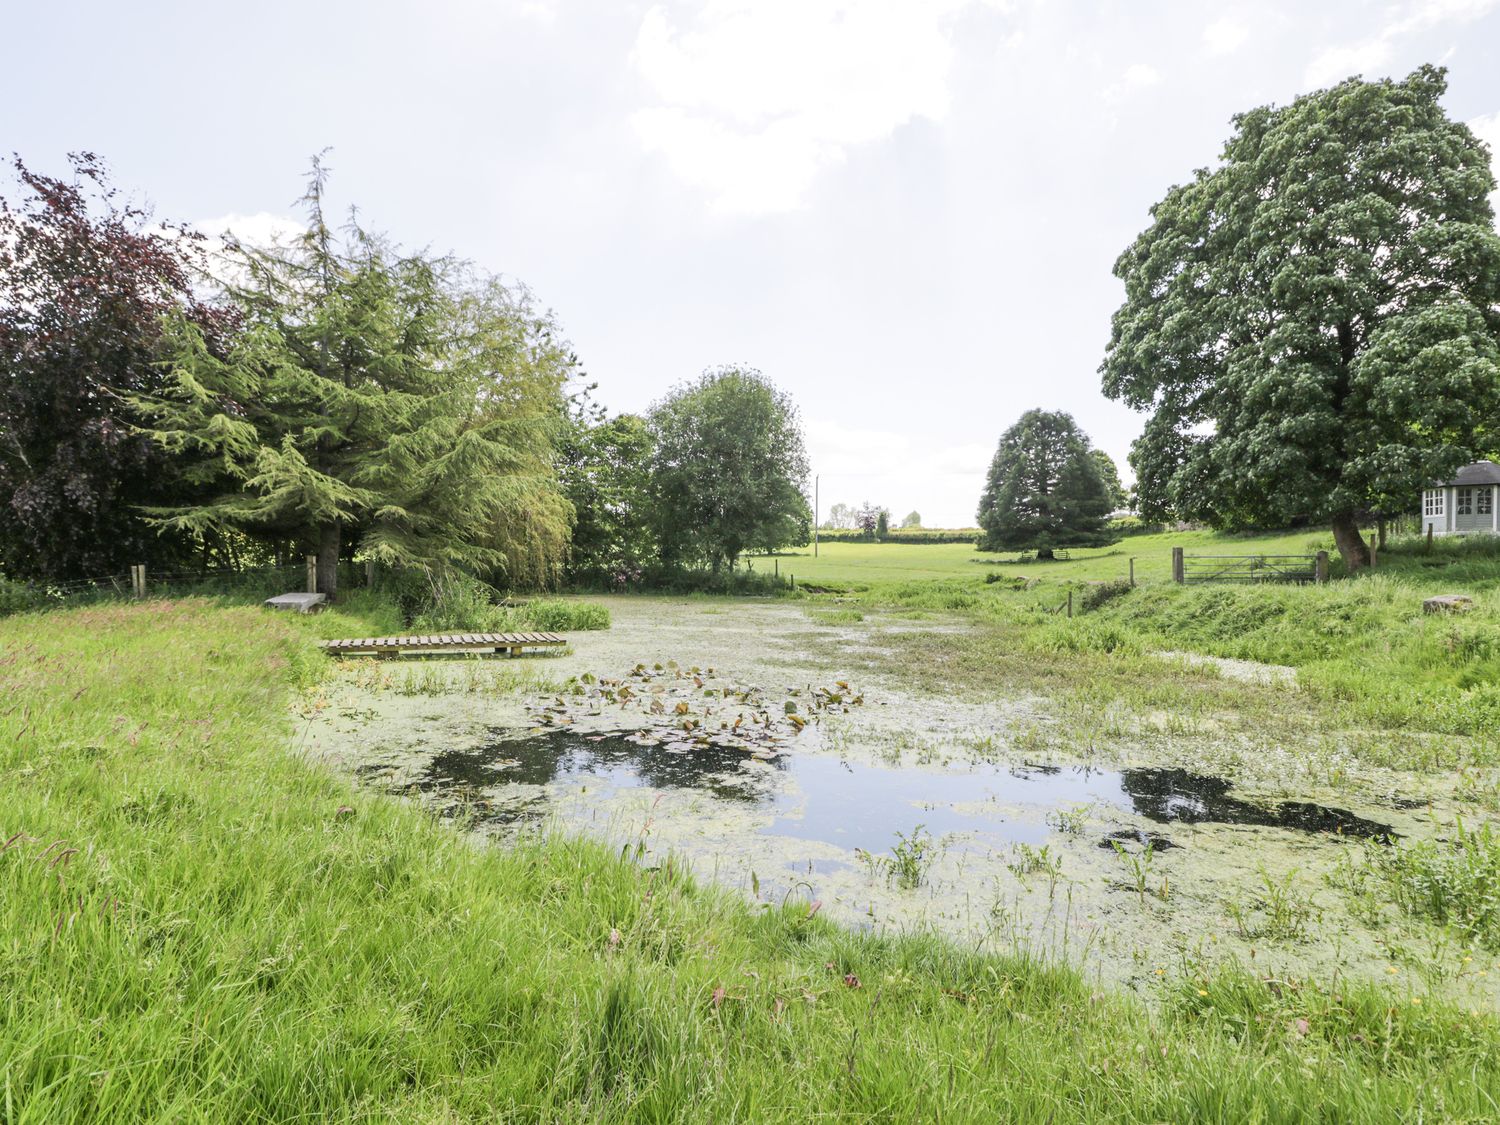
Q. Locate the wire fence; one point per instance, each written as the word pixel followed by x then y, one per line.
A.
pixel 257 582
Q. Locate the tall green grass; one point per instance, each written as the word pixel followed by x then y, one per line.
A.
pixel 198 924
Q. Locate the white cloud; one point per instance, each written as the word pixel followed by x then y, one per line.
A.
pixel 1487 128
pixel 1225 36
pixel 943 482
pixel 1372 54
pixel 755 97
pixel 1338 63
pixel 1140 75
pixel 260 229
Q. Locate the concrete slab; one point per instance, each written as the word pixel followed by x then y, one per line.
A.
pixel 302 603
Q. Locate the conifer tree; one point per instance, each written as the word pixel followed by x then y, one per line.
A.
pixel 1044 490
pixel 380 401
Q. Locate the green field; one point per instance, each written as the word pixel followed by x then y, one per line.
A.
pixel 900 562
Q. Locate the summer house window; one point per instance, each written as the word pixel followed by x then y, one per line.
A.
pixel 1432 502
pixel 1465 502
pixel 1485 502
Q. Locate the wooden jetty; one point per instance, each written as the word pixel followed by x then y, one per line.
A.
pixel 439 644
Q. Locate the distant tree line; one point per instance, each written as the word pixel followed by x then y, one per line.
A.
pixel 171 400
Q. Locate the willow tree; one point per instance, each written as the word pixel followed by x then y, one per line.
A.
pixel 1312 323
pixel 374 400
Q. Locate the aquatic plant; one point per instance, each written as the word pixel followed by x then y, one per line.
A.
pixel 1281 912
pixel 1454 883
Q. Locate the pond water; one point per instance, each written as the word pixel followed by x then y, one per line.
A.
pixel 822 797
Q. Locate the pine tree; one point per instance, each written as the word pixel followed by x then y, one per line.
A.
pixel 386 402
pixel 1044 490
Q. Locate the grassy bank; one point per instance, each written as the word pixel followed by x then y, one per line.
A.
pixel 1362 646
pixel 196 924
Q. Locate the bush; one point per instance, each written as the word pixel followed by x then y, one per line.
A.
pixel 1099 593
pixel 464 604
pixel 737 582
pixel 17 597
pixel 902 535
pixel 559 615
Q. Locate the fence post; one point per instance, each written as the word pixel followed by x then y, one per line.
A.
pixel 1322 567
pixel 1070 605
pixel 138 580
pixel 1177 566
pixel 1374 554
pixel 1132 570
pixel 369 572
pixel 312 574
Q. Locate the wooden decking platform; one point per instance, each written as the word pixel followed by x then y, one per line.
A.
pixel 440 643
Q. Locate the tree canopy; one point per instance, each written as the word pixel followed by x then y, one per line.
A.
pixel 85 281
pixel 1044 490
pixel 605 467
pixel 1312 323
pixel 729 469
pixel 373 398
pixel 1109 473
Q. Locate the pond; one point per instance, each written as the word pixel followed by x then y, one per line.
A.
pixel 855 804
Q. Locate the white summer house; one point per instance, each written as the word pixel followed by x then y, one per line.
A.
pixel 1464 504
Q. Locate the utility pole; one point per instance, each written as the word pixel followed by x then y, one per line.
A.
pixel 816 481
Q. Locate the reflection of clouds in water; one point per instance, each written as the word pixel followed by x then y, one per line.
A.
pixel 818 797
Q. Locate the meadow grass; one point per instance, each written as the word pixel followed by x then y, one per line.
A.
pixel 1364 650
pixel 198 924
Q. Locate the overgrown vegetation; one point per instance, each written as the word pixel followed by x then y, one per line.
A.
pixel 1453 882
pixel 202 924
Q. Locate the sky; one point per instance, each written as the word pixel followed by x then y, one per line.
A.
pixel 903 212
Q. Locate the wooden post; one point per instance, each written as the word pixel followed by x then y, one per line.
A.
pixel 1322 567
pixel 1132 570
pixel 1429 539
pixel 1070 605
pixel 312 574
pixel 138 581
pixel 1374 555
pixel 777 564
pixel 1178 574
pixel 369 572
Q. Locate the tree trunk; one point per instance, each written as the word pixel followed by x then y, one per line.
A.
pixel 1350 543
pixel 330 538
pixel 1045 553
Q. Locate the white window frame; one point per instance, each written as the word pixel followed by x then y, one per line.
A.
pixel 1432 502
pixel 1484 502
pixel 1463 503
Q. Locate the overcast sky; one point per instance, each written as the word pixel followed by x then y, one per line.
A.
pixel 904 212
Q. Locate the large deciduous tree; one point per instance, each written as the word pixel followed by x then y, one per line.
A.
pixel 85 280
pixel 1109 473
pixel 1312 323
pixel 375 400
pixel 728 470
pixel 1044 490
pixel 605 466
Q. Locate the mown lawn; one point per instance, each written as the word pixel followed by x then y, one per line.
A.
pixel 903 562
pixel 196 924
